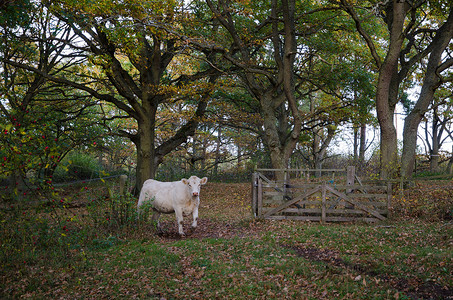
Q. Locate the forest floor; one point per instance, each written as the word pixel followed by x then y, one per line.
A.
pixel 231 255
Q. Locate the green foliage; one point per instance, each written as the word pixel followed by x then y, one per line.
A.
pixel 104 243
pixel 78 165
pixel 40 121
pixel 38 145
pixel 15 13
pixel 25 144
pixel 50 228
pixel 33 232
pixel 116 211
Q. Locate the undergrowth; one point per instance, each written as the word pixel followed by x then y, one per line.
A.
pixel 85 241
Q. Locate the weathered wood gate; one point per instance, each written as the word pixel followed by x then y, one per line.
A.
pixel 327 199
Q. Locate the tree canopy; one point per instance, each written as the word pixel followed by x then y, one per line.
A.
pixel 187 79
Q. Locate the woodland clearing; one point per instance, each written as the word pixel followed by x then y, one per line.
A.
pixel 230 255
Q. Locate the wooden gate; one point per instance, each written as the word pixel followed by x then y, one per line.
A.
pixel 331 198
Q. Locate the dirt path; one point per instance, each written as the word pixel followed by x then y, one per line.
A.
pixel 410 285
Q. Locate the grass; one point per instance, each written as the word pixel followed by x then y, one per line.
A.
pixel 230 256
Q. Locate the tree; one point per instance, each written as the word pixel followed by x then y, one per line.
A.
pixel 273 88
pixel 39 123
pixel 226 138
pixel 127 50
pixel 438 126
pixel 234 118
pixel 437 73
pixel 268 46
pixel 411 38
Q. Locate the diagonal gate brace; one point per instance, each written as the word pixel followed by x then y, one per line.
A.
pixel 294 201
pixel 356 204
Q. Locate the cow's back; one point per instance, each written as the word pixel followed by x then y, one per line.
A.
pixel 152 186
pixel 164 194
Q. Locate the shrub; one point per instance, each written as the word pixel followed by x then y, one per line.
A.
pixel 30 233
pixel 426 200
pixel 54 227
pixel 78 166
pixel 113 212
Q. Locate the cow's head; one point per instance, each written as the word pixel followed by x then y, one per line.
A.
pixel 194 184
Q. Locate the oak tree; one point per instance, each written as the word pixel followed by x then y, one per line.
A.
pixel 128 49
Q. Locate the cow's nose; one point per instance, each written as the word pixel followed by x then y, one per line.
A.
pixel 195 194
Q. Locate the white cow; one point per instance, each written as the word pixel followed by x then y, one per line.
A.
pixel 181 197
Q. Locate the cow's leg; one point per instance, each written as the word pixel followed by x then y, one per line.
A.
pixel 179 220
pixel 195 217
pixel 155 219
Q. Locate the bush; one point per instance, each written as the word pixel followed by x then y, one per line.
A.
pixel 54 227
pixel 427 200
pixel 114 212
pixel 30 233
pixel 78 166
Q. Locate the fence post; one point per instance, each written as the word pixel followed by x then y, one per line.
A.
pixel 285 182
pixel 123 179
pixel 350 181
pixel 323 203
pixel 260 197
pixel 389 198
pixel 254 194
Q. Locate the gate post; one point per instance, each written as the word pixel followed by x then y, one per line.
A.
pixel 350 178
pixel 350 181
pixel 323 203
pixel 260 198
pixel 389 198
pixel 254 193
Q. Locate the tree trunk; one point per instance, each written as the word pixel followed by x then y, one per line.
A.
pixel 387 91
pixel 321 141
pixel 193 156
pixel 362 147
pixel 279 161
pixel 389 150
pixel 145 145
pixel 438 128
pixel 356 146
pixel 434 159
pixel 217 151
pixel 317 160
pixel 278 106
pixel 272 138
pixel 430 84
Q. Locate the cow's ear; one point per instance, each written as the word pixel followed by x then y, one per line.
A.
pixel 185 181
pixel 204 180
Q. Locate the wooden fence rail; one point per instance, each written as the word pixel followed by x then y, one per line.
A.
pixel 342 199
